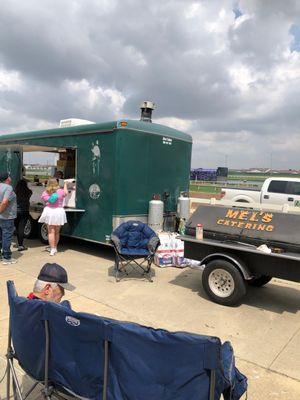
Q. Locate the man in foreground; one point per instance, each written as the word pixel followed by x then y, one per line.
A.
pixel 51 284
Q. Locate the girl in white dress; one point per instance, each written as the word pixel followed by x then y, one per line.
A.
pixel 54 214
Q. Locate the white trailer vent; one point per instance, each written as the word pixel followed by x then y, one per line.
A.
pixel 66 123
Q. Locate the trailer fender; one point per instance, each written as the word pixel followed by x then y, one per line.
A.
pixel 242 267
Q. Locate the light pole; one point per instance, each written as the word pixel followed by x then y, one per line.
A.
pixel 271 162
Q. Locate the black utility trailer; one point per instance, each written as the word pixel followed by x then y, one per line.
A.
pixel 229 251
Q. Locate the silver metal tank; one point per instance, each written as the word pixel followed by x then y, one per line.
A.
pixel 183 207
pixel 156 215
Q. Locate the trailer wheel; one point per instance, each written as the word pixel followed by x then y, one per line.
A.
pixel 43 233
pixel 259 281
pixel 30 229
pixel 223 282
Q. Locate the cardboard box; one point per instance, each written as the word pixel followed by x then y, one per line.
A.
pixel 62 163
pixel 65 163
pixel 170 251
pixel 63 156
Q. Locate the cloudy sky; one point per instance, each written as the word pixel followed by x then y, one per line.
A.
pixel 227 72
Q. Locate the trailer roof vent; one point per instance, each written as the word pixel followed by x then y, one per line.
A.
pixel 66 123
pixel 146 110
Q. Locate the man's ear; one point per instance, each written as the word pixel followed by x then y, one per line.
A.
pixel 46 288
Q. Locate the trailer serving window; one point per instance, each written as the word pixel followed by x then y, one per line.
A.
pixel 61 164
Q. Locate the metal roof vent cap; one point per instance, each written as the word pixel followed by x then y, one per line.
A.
pixel 146 110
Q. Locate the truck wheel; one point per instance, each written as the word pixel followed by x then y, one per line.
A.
pixel 259 281
pixel 43 233
pixel 223 282
pixel 30 229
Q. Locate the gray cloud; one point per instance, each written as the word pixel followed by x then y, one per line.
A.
pixel 233 83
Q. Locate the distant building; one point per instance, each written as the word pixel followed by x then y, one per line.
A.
pixel 266 171
pixel 40 170
pixel 209 174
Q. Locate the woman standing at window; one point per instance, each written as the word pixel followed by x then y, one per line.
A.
pixel 54 214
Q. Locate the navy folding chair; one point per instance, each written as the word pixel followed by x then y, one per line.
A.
pixel 135 244
pixel 64 351
pixel 78 343
pixel 96 358
pixel 26 331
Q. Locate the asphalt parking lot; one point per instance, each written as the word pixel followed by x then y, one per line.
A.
pixel 264 330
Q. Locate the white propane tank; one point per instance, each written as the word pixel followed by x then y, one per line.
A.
pixel 156 215
pixel 183 207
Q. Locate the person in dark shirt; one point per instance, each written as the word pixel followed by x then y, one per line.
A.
pixel 51 284
pixel 59 175
pixel 23 201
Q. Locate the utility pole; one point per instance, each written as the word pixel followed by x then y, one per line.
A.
pixel 271 163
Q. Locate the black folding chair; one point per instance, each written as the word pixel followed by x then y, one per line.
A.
pixel 135 245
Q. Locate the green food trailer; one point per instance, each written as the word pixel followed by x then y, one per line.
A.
pixel 114 168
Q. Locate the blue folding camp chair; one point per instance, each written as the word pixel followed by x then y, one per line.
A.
pixel 26 331
pixel 96 358
pixel 134 241
pixel 64 351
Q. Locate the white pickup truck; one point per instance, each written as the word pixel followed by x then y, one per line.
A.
pixel 274 191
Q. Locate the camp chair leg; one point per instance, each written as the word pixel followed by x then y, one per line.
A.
pixel 14 390
pixel 9 355
pixel 121 263
pixel 117 269
pixel 8 381
pixel 117 272
pixel 48 390
pixel 147 271
pixel 16 386
pixel 105 373
pixel 147 274
pixel 11 373
pixel 30 390
pixel 120 266
pixel 212 384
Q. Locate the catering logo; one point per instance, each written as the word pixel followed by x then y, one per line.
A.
pixel 244 219
pixel 94 191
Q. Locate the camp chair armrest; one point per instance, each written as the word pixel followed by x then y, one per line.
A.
pixel 116 242
pixel 153 244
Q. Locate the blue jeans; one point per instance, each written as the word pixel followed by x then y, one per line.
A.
pixel 7 228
